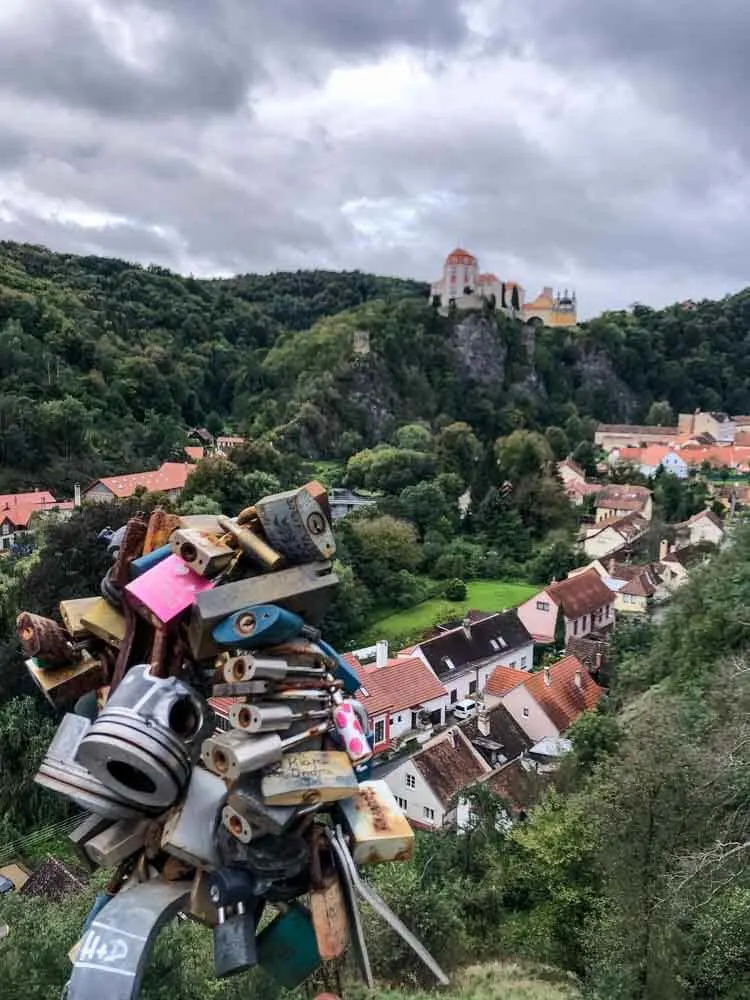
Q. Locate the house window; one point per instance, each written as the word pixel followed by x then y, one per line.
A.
pixel 454 696
pixel 402 803
pixel 523 662
pixel 380 730
pixel 449 663
pixel 428 813
pixel 542 605
pixel 411 781
pixel 495 645
pixel 525 711
pixel 472 687
pixel 585 623
pixel 398 718
pixel 575 627
pixel 6 528
pixel 513 664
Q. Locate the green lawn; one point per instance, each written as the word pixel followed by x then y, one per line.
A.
pixel 483 595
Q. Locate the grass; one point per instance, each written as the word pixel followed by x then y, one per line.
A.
pixel 498 981
pixel 484 595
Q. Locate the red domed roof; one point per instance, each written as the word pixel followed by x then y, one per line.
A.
pixel 459 256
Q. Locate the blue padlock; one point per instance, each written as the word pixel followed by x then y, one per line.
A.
pixel 144 563
pixel 261 625
pixel 343 672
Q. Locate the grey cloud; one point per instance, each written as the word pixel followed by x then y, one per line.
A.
pixel 686 54
pixel 212 54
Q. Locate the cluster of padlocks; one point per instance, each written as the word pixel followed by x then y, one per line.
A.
pixel 257 831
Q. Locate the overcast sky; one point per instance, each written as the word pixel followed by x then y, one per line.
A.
pixel 595 144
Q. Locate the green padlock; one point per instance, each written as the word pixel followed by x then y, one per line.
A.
pixel 288 948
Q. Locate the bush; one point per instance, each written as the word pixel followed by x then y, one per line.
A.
pixel 456 590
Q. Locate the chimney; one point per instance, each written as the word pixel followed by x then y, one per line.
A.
pixel 466 626
pixel 76 494
pixel 381 652
pixel 578 679
pixel 663 549
pixel 483 722
pixel 612 564
pixel 547 676
pixel 598 661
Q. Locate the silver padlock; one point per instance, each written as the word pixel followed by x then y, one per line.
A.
pixel 295 524
pixel 256 668
pixel 204 554
pixel 246 815
pixel 232 754
pixel 267 718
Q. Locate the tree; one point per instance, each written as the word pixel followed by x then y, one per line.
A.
pixel 499 524
pixel 523 455
pixel 660 414
pixel 414 437
pixel 595 735
pixel 388 470
pixel 427 506
pixel 456 590
pixel 380 547
pixel 558 442
pixel 458 450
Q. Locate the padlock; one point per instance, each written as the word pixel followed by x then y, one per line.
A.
pixel 188 833
pixel 342 672
pixel 247 816
pixel 327 903
pixel 305 590
pixel 234 753
pixel 202 909
pixel 268 718
pixel 72 613
pixel 45 641
pixel 144 563
pixel 203 553
pixel 105 622
pixel 309 777
pixel 64 685
pixel 294 523
pixel 160 527
pixel 130 548
pixel 287 947
pixel 349 729
pixel 119 841
pixel 256 668
pixel 164 593
pixel 234 893
pixel 262 625
pixel 281 865
pixel 273 691
pixel 379 830
pixel 252 545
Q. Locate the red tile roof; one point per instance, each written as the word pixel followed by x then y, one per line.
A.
pixel 459 256
pixel 400 684
pixel 20 515
pixel 194 452
pixel 504 679
pixel 448 764
pixel 562 700
pixel 36 498
pixel 170 476
pixel 581 594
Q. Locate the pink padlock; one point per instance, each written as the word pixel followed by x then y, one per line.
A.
pixel 166 591
pixel 350 732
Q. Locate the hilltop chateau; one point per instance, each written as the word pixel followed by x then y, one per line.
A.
pixel 464 286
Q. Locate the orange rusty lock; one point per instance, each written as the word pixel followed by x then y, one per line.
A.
pixel 327 905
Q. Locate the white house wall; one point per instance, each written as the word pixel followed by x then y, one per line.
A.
pixel 529 714
pixel 418 798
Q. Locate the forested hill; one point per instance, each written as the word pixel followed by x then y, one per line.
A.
pixel 104 364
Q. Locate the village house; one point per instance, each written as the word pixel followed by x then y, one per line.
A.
pixel 427 784
pixel 169 478
pixel 720 426
pixel 403 698
pixel 636 587
pixel 545 704
pixel 609 436
pixel 494 732
pixel 343 502
pixel 619 500
pixel 18 509
pixel 649 460
pixel 704 526
pixel 675 564
pixel 613 535
pixel 585 602
pixel 464 657
pixel 574 482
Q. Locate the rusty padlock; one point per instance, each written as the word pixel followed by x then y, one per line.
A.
pixel 327 905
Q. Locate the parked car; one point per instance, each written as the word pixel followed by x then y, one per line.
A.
pixel 6 885
pixel 464 709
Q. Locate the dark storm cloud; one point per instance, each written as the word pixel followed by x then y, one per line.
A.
pixel 201 57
